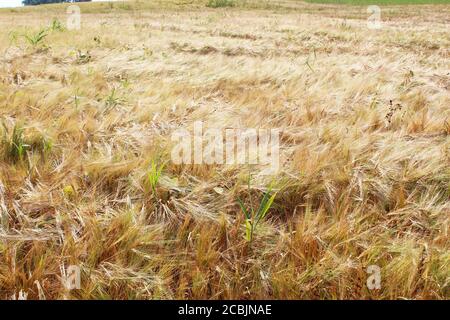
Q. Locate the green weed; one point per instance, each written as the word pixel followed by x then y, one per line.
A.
pixel 254 217
pixel 15 146
pixel 37 38
pixel 154 175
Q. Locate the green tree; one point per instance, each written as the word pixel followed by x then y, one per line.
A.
pixel 36 2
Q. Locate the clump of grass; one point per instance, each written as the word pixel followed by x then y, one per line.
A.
pixel 56 25
pixel 36 38
pixel 220 3
pixel 15 145
pixel 13 37
pixel 254 217
pixel 112 100
pixel 154 175
pixel 47 146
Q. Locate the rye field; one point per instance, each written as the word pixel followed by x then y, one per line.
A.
pixel 357 208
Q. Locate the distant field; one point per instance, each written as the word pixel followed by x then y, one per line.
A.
pixel 381 2
pixel 276 5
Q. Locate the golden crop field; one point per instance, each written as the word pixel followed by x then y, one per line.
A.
pixel 88 179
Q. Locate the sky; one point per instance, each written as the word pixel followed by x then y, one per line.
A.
pixel 15 3
pixel 10 3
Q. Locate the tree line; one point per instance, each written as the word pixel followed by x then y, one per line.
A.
pixel 36 2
